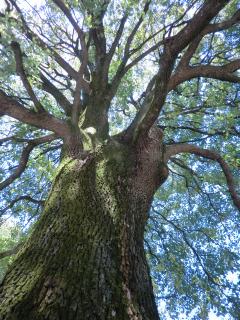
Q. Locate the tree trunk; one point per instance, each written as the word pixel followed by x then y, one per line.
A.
pixel 85 258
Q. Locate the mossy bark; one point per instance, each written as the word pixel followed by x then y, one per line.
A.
pixel 85 258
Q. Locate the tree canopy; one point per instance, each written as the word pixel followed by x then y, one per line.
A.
pixel 174 64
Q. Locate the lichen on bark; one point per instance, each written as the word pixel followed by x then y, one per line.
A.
pixel 85 259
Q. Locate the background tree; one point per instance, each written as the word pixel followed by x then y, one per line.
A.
pixel 105 101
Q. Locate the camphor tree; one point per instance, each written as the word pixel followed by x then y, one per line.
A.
pixel 128 99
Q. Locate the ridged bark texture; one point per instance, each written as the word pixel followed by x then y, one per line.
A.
pixel 85 259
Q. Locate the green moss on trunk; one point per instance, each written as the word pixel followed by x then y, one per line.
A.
pixel 85 258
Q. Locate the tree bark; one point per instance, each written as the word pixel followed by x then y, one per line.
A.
pixel 85 259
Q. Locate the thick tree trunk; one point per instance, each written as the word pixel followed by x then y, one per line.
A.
pixel 85 258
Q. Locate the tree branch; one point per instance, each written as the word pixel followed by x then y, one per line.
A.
pixel 189 244
pixel 153 104
pixel 24 158
pixel 33 36
pixel 123 68
pixel 223 73
pixel 21 72
pixel 134 30
pixel 212 155
pixel 223 25
pixel 6 139
pixel 147 115
pixel 81 83
pixel 197 24
pixel 10 252
pixel 49 87
pixel 201 131
pixel 211 28
pixel 61 5
pixel 42 120
pixel 117 38
pixel 20 198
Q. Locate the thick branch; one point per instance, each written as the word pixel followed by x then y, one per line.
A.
pixel 177 39
pixel 212 155
pixel 43 120
pixel 224 73
pixel 24 159
pixel 49 87
pixel 76 107
pixel 211 28
pixel 146 116
pixel 61 5
pixel 223 25
pixel 98 32
pixel 21 72
pixel 197 24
